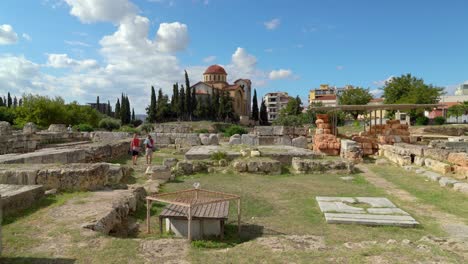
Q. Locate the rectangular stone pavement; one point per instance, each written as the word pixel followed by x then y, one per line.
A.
pixel 373 211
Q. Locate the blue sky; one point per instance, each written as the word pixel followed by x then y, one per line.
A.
pixel 79 49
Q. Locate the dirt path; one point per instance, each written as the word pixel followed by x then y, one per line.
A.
pixel 453 225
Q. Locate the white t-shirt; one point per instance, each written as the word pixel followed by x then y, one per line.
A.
pixel 147 143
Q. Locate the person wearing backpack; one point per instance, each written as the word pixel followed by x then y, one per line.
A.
pixel 149 146
pixel 135 148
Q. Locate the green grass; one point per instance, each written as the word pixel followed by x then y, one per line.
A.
pixel 429 192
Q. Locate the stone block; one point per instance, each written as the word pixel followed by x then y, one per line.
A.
pixel 158 172
pixel 283 140
pixel 185 167
pixel 29 128
pixel 447 182
pixel 432 176
pixel 170 162
pixel 213 139
pixel 461 187
pixel 437 166
pixel 460 159
pixel 235 139
pixel 5 128
pixel 299 142
pixel 205 140
pixel 437 153
pixel 115 173
pixel 263 130
pixel 57 128
pixel 15 198
pixel 248 139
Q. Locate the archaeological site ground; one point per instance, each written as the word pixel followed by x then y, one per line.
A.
pixel 390 194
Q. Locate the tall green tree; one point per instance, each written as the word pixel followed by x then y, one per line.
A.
pixel 194 100
pixel 133 114
pixel 152 108
pixel 175 99
pixel 15 102
pixel 216 103
pixel 255 106
pixel 182 105
pixel 293 107
pixel 408 89
pixel 188 97
pixel 97 104
pixel 263 114
pixel 117 109
pixel 109 109
pixel 458 110
pixel 9 102
pixel 356 96
pixel 1 101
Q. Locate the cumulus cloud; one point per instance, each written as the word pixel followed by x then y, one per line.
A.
pixel 279 74
pixel 7 35
pixel 272 24
pixel 63 61
pixel 17 74
pixel 89 11
pixel 172 37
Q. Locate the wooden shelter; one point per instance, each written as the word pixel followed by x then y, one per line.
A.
pixel 194 203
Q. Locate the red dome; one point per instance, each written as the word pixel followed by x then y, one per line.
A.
pixel 215 69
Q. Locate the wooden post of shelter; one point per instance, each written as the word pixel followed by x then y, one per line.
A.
pixel 239 216
pixel 189 228
pixel 148 207
pixel 381 117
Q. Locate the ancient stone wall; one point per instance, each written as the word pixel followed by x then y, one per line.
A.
pixel 172 128
pixel 257 165
pixel 440 160
pixel 351 150
pixel 302 166
pixel 69 177
pixel 273 135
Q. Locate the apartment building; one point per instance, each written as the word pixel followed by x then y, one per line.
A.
pixel 274 103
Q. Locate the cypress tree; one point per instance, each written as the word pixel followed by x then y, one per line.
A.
pixel 117 109
pixel 175 99
pixel 263 114
pixel 123 109
pixel 20 102
pixel 160 104
pixel 1 101
pixel 188 102
pixel 97 104
pixel 255 106
pixel 9 102
pixel 194 99
pixel 128 117
pixel 133 114
pixel 216 101
pixel 181 103
pixel 15 102
pixel 109 109
pixel 151 109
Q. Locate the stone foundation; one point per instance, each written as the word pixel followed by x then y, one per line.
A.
pixel 324 141
pixel 351 150
pixel 70 177
pixel 306 166
pixel 272 135
pixel 257 165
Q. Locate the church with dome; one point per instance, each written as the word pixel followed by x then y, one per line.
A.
pixel 215 77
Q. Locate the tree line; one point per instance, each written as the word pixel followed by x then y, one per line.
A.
pixel 8 101
pixel 186 105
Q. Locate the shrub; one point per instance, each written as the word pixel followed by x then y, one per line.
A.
pixel 128 129
pixel 218 155
pixel 83 128
pixel 109 124
pixel 137 122
pixel 147 127
pixel 422 121
pixel 440 120
pixel 234 129
pixel 7 114
pixel 220 127
pixel 202 131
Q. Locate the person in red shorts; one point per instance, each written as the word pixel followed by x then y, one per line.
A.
pixel 135 148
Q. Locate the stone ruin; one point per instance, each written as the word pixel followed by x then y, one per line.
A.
pixel 324 141
pixel 273 135
pixel 391 132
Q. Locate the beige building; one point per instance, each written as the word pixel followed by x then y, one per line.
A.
pixel 274 103
pixel 326 94
pixel 215 77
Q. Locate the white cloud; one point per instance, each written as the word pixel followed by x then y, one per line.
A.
pixel 279 74
pixel 209 59
pixel 172 37
pixel 77 43
pixel 383 82
pixel 272 24
pixel 244 61
pixel 376 93
pixel 89 11
pixel 26 37
pixel 17 74
pixel 7 35
pixel 340 67
pixel 63 61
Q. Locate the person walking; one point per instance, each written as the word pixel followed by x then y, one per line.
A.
pixel 135 148
pixel 149 147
